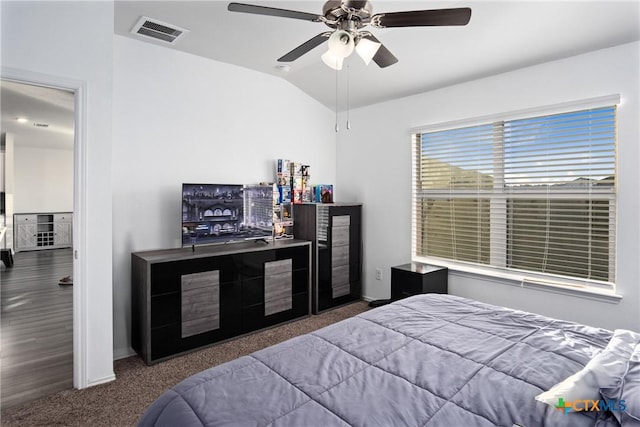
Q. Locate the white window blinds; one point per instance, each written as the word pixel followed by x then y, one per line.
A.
pixel 534 194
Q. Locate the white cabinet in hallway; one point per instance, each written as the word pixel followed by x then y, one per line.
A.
pixel 35 231
pixel 62 230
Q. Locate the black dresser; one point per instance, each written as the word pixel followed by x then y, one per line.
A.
pixel 184 299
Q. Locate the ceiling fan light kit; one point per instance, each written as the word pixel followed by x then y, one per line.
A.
pixel 367 49
pixel 341 43
pixel 347 18
pixel 332 61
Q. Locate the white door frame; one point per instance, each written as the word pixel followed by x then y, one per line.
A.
pixel 80 315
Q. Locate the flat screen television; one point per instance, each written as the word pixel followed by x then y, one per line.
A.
pixel 225 213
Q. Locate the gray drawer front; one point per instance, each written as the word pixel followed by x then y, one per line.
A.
pixel 339 256
pixel 338 291
pixel 339 236
pixel 341 220
pixel 276 306
pixel 200 280
pixel 277 267
pixel 340 275
pixel 198 326
pixel 278 286
pixel 200 302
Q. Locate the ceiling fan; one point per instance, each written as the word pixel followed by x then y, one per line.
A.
pixel 347 18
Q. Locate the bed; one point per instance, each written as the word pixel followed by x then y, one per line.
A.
pixel 427 360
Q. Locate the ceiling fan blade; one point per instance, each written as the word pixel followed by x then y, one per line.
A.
pixel 383 56
pixel 422 18
pixel 305 47
pixel 272 11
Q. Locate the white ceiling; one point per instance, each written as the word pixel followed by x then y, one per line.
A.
pixel 501 36
pixel 38 105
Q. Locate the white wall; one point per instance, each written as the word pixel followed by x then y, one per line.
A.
pixel 43 180
pixel 72 42
pixel 383 134
pixel 182 118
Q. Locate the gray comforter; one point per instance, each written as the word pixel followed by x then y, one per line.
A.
pixel 428 360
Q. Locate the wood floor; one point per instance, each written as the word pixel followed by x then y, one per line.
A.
pixel 36 353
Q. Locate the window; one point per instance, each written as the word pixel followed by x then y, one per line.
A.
pixel 533 195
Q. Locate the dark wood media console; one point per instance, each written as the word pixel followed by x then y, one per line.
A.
pixel 184 299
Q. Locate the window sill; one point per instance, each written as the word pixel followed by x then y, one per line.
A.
pixel 528 282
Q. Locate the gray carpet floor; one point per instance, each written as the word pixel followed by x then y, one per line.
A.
pixel 123 401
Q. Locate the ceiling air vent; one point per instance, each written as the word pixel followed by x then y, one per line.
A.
pixel 158 30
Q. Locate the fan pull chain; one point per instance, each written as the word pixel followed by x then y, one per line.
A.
pixel 337 128
pixel 348 122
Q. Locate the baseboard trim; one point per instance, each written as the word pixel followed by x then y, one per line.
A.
pixel 123 354
pixel 103 380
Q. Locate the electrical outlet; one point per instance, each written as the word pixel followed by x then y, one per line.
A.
pixel 378 274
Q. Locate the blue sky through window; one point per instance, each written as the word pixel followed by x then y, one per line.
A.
pixel 576 147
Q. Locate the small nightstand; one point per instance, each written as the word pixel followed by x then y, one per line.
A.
pixel 415 278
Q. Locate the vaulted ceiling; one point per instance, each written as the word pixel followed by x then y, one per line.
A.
pixel 501 36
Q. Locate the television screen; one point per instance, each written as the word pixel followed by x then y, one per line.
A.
pixel 222 213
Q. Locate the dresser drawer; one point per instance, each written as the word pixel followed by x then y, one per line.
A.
pixel 340 275
pixel 339 291
pixel 200 280
pixel 339 236
pixel 167 276
pixel 278 267
pixel 278 305
pixel 339 255
pixel 254 290
pixel 277 286
pixel 200 302
pixel 62 217
pixel 200 325
pixel 341 220
pixel 26 219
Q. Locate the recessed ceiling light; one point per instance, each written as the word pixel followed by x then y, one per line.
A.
pixel 21 120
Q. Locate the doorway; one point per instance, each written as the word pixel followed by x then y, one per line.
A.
pixel 36 291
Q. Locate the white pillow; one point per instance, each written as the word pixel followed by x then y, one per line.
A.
pixel 629 391
pixel 603 371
